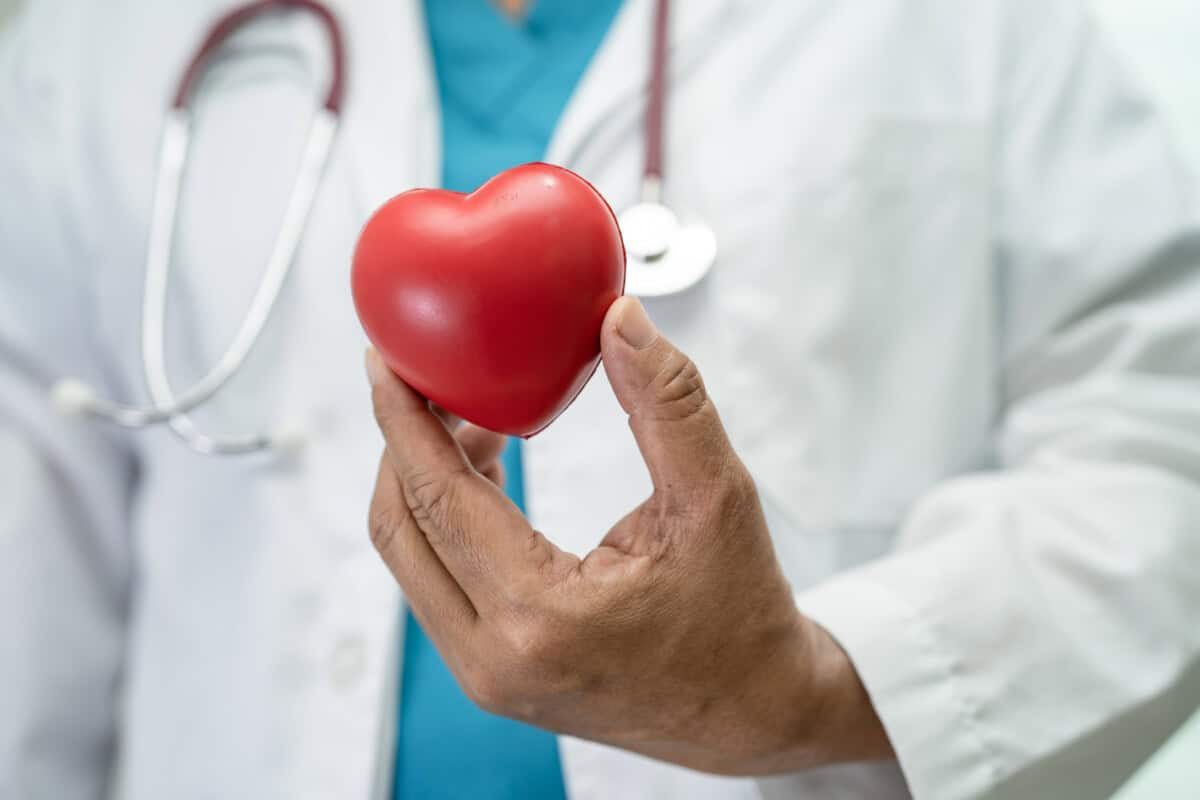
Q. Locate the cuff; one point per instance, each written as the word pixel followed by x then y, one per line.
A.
pixel 912 679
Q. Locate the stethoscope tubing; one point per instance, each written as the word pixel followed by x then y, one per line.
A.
pixel 172 160
pixel 303 195
pixel 172 408
pixel 652 169
pixel 229 24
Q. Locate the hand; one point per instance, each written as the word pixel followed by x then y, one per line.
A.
pixel 677 637
pixel 481 447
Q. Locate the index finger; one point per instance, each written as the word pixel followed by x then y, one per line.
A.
pixel 481 537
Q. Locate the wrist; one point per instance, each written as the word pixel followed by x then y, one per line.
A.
pixel 820 713
pixel 842 723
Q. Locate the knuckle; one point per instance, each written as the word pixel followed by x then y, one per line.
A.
pixel 541 556
pixel 679 388
pixel 737 495
pixel 741 484
pixel 486 690
pixel 382 523
pixel 432 496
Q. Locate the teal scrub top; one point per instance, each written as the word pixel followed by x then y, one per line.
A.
pixel 503 85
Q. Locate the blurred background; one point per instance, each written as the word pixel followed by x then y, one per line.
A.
pixel 1159 39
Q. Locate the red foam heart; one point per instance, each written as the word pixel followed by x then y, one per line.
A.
pixel 490 303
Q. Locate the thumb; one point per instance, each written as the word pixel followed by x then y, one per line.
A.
pixel 673 420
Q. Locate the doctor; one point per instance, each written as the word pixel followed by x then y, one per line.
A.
pixel 951 334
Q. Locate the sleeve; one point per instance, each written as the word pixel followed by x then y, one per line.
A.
pixel 1036 631
pixel 65 485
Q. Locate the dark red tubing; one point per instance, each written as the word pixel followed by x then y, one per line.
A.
pixel 228 24
pixel 655 110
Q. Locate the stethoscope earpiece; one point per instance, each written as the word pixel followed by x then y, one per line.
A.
pixel 288 443
pixel 72 398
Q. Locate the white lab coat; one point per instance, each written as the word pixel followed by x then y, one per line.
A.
pixel 954 331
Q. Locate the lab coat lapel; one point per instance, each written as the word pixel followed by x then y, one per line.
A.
pixel 620 71
pixel 388 142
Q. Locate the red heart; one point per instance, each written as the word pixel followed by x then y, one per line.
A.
pixel 490 303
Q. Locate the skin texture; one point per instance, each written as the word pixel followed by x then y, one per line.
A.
pixel 677 637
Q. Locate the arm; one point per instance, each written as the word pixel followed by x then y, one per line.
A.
pixel 64 485
pixel 1035 633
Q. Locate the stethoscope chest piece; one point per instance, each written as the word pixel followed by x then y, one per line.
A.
pixel 664 257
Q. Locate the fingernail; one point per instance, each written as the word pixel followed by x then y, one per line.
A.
pixel 634 325
pixel 375 367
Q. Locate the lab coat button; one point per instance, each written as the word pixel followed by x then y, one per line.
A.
pixel 347 662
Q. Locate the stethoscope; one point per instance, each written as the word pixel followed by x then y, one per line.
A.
pixel 664 257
